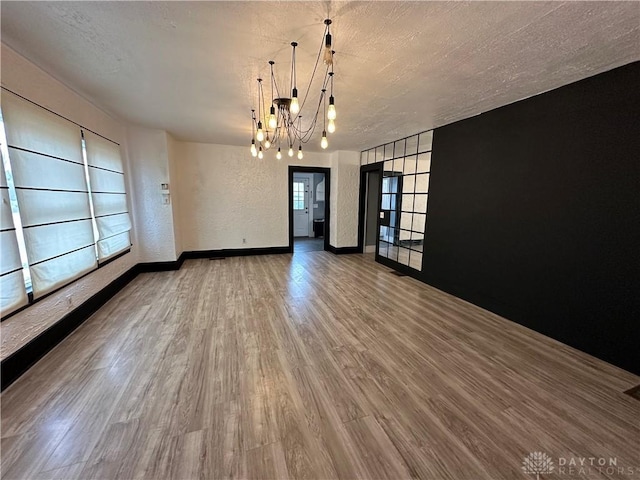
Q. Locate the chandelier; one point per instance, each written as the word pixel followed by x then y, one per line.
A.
pixel 282 126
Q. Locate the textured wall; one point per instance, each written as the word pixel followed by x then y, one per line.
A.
pixel 148 153
pixel 345 185
pixel 174 166
pixel 24 78
pixel 226 195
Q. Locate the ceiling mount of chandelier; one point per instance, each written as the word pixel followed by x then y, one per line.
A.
pixel 282 125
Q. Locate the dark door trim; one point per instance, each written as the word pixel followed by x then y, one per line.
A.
pixel 364 169
pixel 327 196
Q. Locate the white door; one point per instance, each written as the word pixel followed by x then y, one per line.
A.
pixel 301 207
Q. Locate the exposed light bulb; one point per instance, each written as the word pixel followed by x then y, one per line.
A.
pixel 290 151
pixel 260 154
pixel 331 111
pixel 294 108
pixel 327 57
pixel 324 143
pixel 300 154
pixel 254 152
pixel 260 134
pixel 273 121
pixel 279 154
pixel 267 143
pixel 331 126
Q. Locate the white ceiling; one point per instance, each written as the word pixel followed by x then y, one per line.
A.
pixel 401 67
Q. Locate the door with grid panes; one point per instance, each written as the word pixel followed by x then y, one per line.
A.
pixel 405 191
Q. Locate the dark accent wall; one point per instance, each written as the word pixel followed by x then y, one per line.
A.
pixel 534 213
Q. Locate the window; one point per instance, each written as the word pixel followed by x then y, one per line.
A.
pixel 298 195
pixel 108 195
pixel 13 293
pixel 61 227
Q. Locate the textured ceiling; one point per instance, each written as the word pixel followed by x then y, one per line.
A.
pixel 401 67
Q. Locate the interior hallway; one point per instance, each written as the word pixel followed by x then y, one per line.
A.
pixel 308 244
pixel 314 366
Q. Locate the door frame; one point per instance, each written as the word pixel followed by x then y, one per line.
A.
pixel 364 170
pixel 327 200
pixel 308 199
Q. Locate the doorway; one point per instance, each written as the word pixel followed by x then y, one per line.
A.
pixel 308 209
pixel 371 212
pixel 370 220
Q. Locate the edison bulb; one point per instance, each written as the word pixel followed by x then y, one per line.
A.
pixel 273 121
pixel 260 134
pixel 267 143
pixel 331 126
pixel 331 112
pixel 295 106
pixel 300 154
pixel 328 54
pixel 279 154
pixel 290 151
pixel 327 57
pixel 324 143
pixel 254 151
pixel 260 154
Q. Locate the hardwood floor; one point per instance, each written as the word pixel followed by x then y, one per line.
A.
pixel 309 366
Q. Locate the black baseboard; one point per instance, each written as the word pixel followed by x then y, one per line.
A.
pixel 235 252
pixel 343 250
pixel 21 360
pixel 161 266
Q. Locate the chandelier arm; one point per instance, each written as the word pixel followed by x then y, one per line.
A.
pixel 275 82
pixel 305 135
pixel 315 67
pixel 259 80
pixel 264 110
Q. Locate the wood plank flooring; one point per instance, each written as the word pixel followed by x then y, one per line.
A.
pixel 310 366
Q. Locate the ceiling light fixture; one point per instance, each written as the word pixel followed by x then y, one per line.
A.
pixel 279 125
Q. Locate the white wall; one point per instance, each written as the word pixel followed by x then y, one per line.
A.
pixel 148 152
pixel 174 168
pixel 345 191
pixel 26 79
pixel 226 195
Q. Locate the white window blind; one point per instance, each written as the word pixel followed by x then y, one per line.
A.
pixel 108 195
pixel 13 294
pixel 45 151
